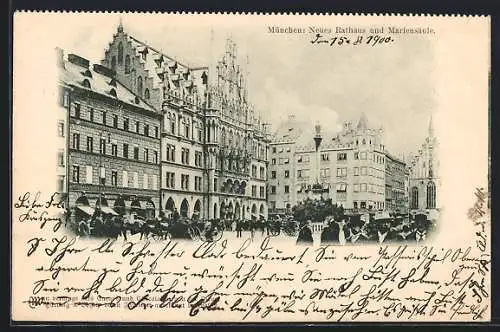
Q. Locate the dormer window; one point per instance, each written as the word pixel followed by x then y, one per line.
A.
pixel 87 73
pixel 86 83
pixel 112 82
pixel 112 92
pixel 137 100
pixel 144 53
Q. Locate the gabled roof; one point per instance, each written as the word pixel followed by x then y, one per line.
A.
pixel 74 75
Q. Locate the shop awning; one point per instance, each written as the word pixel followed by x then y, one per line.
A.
pixel 108 210
pixel 87 209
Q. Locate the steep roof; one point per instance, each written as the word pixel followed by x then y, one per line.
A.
pixel 101 81
pixel 363 122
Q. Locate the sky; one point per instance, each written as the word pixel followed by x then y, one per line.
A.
pixel 288 75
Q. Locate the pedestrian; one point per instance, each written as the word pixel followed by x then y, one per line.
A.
pixel 239 226
pixel 305 234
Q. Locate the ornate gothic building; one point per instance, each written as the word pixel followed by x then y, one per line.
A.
pixel 424 178
pixel 213 146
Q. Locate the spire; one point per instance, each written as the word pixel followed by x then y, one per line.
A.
pixel 120 25
pixel 431 128
pixel 362 124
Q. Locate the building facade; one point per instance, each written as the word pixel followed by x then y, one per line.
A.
pixel 62 130
pixel 349 167
pixel 424 174
pixel 113 143
pixel 213 146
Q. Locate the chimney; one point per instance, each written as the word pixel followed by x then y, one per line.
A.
pixel 78 60
pixel 60 57
pixel 104 70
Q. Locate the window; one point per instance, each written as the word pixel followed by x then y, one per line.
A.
pixel 104 115
pixel 77 111
pixel 186 129
pixel 139 86
pixel 146 155
pixel 299 159
pixel 286 161
pixel 146 93
pixel 431 195
pixel 363 170
pixel 60 158
pixel 145 184
pixel 287 174
pixel 197 183
pixel 342 171
pixel 120 53
pixel 273 174
pixel 273 190
pixel 356 171
pixel 325 157
pixel 215 184
pixel 170 156
pixel 200 135
pixel 363 205
pixel 91 115
pixel 125 179
pixel 137 126
pixel 102 146
pixel 113 63
pixel 65 99
pixel 363 155
pixel 60 183
pixel 170 179
pixel 355 205
pixel 341 187
pixel 127 64
pixel 102 176
pixel 299 173
pixel 76 174
pixel 197 158
pixel 287 189
pixel 262 192
pixel 325 172
pixel 135 179
pixel 274 150
pixel 76 141
pixel 115 121
pixel 125 124
pixel 356 155
pixel 114 150
pixel 356 187
pixel 254 191
pixel 136 153
pixel 114 178
pixel 125 150
pixel 90 144
pixel 363 187
pixel 157 131
pixel 262 171
pixel 185 181
pixel 155 157
pixel 60 129
pixel 254 171
pixel 146 130
pixel 273 161
pixel 342 156
pixel 185 156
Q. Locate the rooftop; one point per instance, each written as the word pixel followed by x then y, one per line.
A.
pixel 78 72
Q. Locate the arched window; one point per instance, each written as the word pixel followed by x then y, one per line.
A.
pixel 364 141
pixel 120 53
pixel 113 63
pixel 172 124
pixel 146 93
pixel 139 86
pixel 414 198
pixel 431 195
pixel 127 64
pixel 86 83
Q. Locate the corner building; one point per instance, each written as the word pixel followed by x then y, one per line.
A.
pixel 114 142
pixel 349 167
pixel 213 147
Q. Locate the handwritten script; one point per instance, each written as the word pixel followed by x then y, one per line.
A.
pixel 240 279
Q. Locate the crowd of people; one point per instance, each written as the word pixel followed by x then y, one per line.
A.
pixel 339 230
pixel 354 229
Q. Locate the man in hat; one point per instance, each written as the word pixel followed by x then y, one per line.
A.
pixel 305 234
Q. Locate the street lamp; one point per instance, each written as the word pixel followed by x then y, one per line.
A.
pixel 102 172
